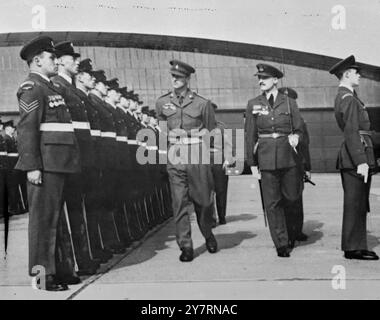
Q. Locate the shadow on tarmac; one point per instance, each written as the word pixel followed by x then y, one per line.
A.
pixel 373 241
pixel 312 229
pixel 241 217
pixel 227 241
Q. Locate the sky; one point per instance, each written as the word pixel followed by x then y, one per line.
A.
pixel 335 28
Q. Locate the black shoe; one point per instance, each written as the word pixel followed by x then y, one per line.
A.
pixel 187 255
pixel 103 255
pixel 88 269
pixel 117 250
pixel 68 279
pixel 302 237
pixel 283 252
pixel 292 244
pixel 370 253
pixel 211 244
pixel 360 255
pixel 222 221
pixel 52 284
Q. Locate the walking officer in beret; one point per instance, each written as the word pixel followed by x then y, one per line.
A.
pixel 188 116
pixel 273 129
pixel 48 152
pixel 356 160
pixel 68 62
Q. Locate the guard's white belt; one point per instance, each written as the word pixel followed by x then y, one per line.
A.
pixel 95 133
pixel 185 140
pixel 162 152
pixel 56 126
pixel 151 147
pixel 141 143
pixel 81 125
pixel 3 153
pixel 12 154
pixel 121 139
pixel 108 134
pixel 132 141
pixel 214 150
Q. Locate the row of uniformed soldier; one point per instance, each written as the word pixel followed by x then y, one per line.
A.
pixel 88 196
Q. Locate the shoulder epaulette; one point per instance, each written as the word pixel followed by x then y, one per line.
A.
pixel 198 95
pixel 27 85
pixel 347 95
pixel 165 94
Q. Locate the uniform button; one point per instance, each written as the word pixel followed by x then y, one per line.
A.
pixel 272 118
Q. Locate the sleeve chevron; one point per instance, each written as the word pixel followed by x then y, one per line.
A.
pixel 28 107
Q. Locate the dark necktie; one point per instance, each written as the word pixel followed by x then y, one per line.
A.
pixel 180 100
pixel 271 100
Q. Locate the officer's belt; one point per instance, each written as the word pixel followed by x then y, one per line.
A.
pixel 121 139
pixel 108 134
pixel 12 154
pixel 365 132
pixel 57 126
pixel 273 135
pixel 95 133
pixel 185 140
pixel 81 125
pixel 151 147
pixel 3 153
pixel 132 141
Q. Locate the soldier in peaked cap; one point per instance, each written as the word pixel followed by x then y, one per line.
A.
pixel 48 152
pixel 188 117
pixel 273 129
pixel 68 63
pixel 356 160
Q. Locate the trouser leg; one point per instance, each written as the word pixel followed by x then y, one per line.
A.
pixel 354 228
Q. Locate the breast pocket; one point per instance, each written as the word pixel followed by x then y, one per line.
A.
pixel 168 112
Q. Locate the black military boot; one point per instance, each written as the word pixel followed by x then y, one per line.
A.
pixel 187 255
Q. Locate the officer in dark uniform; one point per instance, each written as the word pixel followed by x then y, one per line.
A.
pixel 356 160
pixel 109 160
pixel 294 213
pixel 68 61
pixel 12 180
pixel 48 152
pixel 4 167
pixel 188 116
pixel 118 172
pixel 273 129
pixel 84 82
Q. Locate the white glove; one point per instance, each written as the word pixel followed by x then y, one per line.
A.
pixel 293 140
pixel 256 172
pixel 363 169
pixel 34 177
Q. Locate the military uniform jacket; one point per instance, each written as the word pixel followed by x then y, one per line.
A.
pixel 303 148
pixel 194 114
pixel 108 146
pixel 122 138
pixel 46 138
pixel 4 163
pixel 94 120
pixel 80 121
pixel 352 117
pixel 12 153
pixel 271 153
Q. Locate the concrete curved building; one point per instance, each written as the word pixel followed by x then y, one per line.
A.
pixel 134 40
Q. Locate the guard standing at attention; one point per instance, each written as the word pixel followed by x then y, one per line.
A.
pixel 48 152
pixel 188 116
pixel 273 129
pixel 68 62
pixel 356 160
